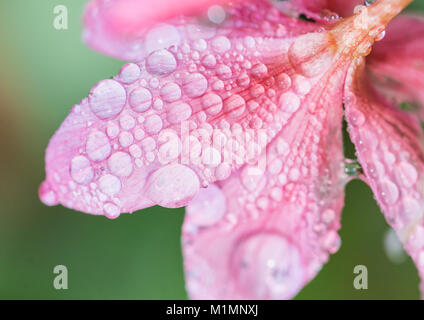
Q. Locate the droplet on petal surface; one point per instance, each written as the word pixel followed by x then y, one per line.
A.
pixel 170 92
pixel 81 170
pixel 268 267
pixel 178 112
pixel 107 99
pixel 129 73
pixel 109 184
pixel 208 207
pixel 161 62
pixel 140 99
pixel 98 147
pixel 221 44
pixel 194 85
pixel 172 186
pixel 235 106
pixel 120 164
pixel 212 103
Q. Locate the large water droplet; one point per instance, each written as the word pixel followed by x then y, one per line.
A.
pixel 178 112
pixel 129 73
pixel 120 164
pixel 267 266
pixel 389 192
pixel 235 106
pixel 170 92
pixel 140 99
pixel 221 44
pixel 172 186
pixel 194 85
pixel 212 103
pixel 161 62
pixel 208 207
pixel 109 184
pixel 98 147
pixel 81 170
pixel 107 99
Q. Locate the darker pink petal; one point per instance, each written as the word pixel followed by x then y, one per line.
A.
pixel 389 146
pixel 267 230
pixel 396 65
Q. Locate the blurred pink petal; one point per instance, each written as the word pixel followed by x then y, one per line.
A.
pixel 267 230
pixel 396 64
pixel 390 149
pixel 119 28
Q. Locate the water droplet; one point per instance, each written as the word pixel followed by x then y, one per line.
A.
pixel 221 44
pixel 140 99
pixel 357 118
pixel 267 266
pixel 153 124
pixel 129 73
pixel 208 207
pixel 406 174
pixel 111 210
pixel 289 102
pixel 257 90
pixel 161 62
pixel 216 14
pixel 47 195
pixel 97 147
pixel 393 247
pixel 194 85
pixel 107 99
pixel 81 170
pixel 209 61
pixel 109 184
pixel 120 164
pixel 172 186
pixel 223 72
pixel 178 112
pixel 127 122
pixel 170 92
pixel 126 139
pixel 301 85
pixel 235 106
pixel 389 192
pixel 212 103
pixel 259 70
pixel 223 171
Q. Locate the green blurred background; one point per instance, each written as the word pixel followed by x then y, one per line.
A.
pixel 43 72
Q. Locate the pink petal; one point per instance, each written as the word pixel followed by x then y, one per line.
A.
pixel 180 119
pixel 110 31
pixel 396 64
pixel 389 146
pixel 267 230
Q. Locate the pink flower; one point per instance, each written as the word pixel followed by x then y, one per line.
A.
pixel 237 114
